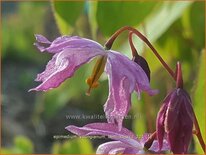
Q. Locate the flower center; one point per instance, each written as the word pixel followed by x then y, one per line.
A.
pixel 98 69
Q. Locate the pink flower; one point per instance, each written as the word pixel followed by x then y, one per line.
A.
pixel 126 142
pixel 125 76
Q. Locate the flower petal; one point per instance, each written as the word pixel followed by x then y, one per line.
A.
pixel 106 129
pixel 172 111
pixel 124 76
pixel 118 102
pixel 66 42
pixel 161 119
pixel 42 39
pixel 63 65
pixel 155 146
pixel 111 147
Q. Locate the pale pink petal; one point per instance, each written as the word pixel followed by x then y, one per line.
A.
pixel 109 147
pixel 106 129
pixel 124 76
pixel 155 146
pixel 65 42
pixel 63 65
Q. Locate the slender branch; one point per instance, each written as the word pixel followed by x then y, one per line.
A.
pixel 109 43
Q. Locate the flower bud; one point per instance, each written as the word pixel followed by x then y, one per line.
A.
pixel 143 63
pixel 175 121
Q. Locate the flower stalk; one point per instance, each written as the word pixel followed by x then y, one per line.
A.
pixel 109 43
pixel 133 49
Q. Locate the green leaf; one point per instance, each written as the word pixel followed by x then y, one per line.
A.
pixel 197 21
pixel 66 14
pixel 161 18
pixel 23 145
pixel 199 100
pixel 113 15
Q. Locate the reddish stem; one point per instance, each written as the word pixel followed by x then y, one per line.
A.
pixel 198 133
pixel 150 140
pixel 134 51
pixel 109 43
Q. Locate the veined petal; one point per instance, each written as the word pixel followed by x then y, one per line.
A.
pixel 66 42
pixel 118 102
pixel 106 129
pixel 63 65
pixel 124 77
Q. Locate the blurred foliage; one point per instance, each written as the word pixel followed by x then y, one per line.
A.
pixel 175 28
pixel 18 40
pixel 22 145
pixel 75 146
pixel 121 12
pixel 199 99
pixel 66 14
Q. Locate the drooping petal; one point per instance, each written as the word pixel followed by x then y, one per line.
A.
pixel 125 76
pixel 109 147
pixel 63 65
pixel 65 42
pixel 106 129
pixel 118 102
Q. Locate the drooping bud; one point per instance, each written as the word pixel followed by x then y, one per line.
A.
pixel 143 63
pixel 137 58
pixel 175 121
pixel 98 69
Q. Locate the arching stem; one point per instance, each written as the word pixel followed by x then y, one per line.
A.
pixel 109 43
pixel 134 51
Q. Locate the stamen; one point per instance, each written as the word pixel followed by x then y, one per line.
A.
pixel 92 81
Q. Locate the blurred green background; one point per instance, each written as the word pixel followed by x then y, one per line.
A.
pixel 31 120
